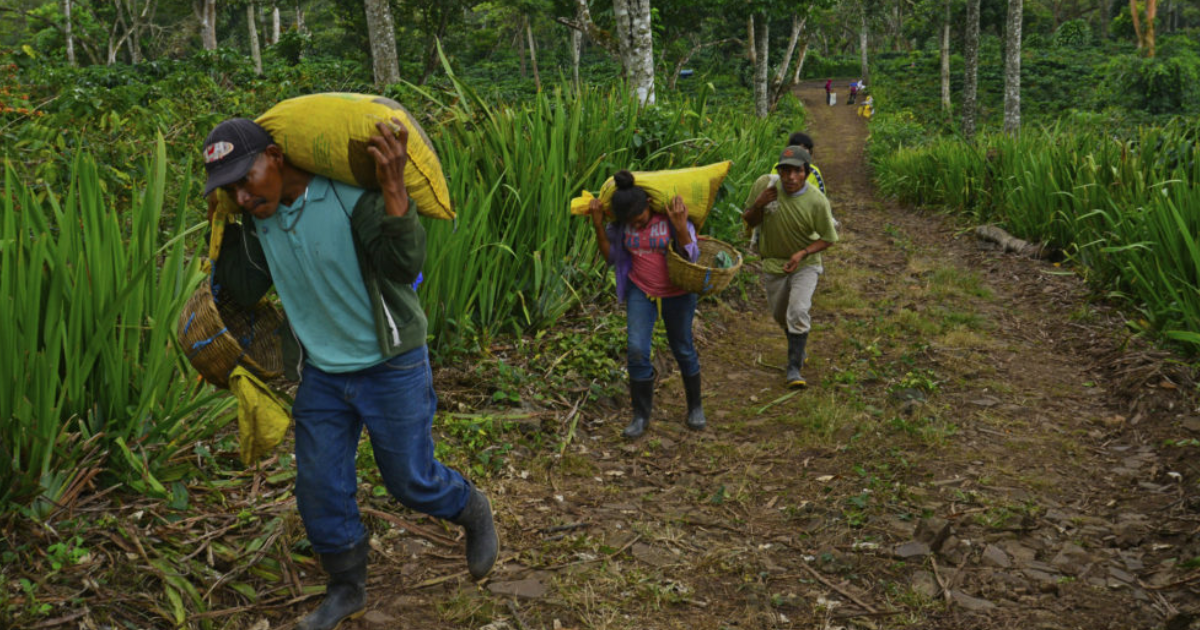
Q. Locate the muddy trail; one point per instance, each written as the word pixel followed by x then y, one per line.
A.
pixel 980 446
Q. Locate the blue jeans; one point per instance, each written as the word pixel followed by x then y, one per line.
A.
pixel 396 402
pixel 677 312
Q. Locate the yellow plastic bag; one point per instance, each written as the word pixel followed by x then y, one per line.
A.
pixel 697 185
pixel 262 422
pixel 329 134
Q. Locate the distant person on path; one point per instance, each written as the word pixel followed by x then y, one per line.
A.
pixel 344 273
pixel 828 90
pixel 853 92
pixel 797 225
pixel 636 245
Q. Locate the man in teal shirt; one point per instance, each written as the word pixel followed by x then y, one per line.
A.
pixel 343 261
pixel 797 225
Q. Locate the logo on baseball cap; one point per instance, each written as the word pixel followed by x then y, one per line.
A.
pixel 795 156
pixel 230 150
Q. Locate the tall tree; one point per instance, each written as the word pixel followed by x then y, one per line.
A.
pixel 67 32
pixel 1145 35
pixel 1012 68
pixel 762 43
pixel 862 41
pixel 252 25
pixel 537 79
pixel 206 14
pixel 971 75
pixel 382 33
pixel 636 44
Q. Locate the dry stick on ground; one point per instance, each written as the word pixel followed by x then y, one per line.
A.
pixel 420 531
pixel 1011 243
pixel 861 604
pixel 938 576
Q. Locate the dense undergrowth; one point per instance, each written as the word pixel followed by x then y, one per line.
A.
pixel 1105 167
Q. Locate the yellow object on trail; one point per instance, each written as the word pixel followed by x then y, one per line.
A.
pixel 262 421
pixel 697 185
pixel 329 133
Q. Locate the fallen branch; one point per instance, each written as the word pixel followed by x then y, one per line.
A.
pixel 1011 243
pixel 861 604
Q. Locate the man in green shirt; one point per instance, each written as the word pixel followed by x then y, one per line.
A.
pixel 797 225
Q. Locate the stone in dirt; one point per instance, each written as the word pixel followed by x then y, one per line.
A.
pixel 379 618
pixel 925 585
pixel 912 549
pixel 932 531
pixel 1020 554
pixel 994 556
pixel 526 589
pixel 1072 560
pixel 972 604
pixel 653 556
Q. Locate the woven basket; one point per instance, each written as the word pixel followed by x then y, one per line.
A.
pixel 701 277
pixel 219 337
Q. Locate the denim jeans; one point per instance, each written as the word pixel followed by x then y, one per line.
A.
pixel 396 402
pixel 677 312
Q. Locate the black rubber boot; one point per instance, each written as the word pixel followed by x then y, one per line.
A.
pixel 346 591
pixel 483 544
pixel 641 393
pixel 796 360
pixel 695 415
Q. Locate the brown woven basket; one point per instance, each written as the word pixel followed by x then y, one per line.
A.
pixel 701 277
pixel 219 337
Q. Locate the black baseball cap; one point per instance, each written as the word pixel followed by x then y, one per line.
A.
pixel 230 150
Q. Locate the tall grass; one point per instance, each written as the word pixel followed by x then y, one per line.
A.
pixel 516 259
pixel 1126 208
pixel 90 380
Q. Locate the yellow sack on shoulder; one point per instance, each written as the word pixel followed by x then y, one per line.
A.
pixel 697 185
pixel 329 134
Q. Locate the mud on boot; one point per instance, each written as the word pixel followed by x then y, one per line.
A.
pixel 346 591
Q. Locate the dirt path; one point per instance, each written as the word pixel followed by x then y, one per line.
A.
pixel 977 450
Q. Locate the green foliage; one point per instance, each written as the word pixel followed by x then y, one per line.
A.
pixel 1074 34
pixel 1166 84
pixel 89 296
pixel 1120 207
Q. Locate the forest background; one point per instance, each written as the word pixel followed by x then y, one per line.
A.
pixel 103 106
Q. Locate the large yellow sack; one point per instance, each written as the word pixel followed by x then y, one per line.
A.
pixel 329 134
pixel 697 185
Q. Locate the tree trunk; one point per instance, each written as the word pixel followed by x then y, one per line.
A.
pixel 255 51
pixel 537 79
pixel 275 24
pixel 862 46
pixel 382 34
pixel 1012 69
pixel 206 14
pixel 946 61
pixel 762 68
pixel 971 75
pixel 67 32
pixel 1137 23
pixel 778 87
pixel 299 19
pixel 576 49
pixel 1151 13
pixel 636 45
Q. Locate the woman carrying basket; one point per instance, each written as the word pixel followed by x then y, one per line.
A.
pixel 636 244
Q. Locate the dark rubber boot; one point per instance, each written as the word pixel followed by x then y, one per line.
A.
pixel 641 393
pixel 346 591
pixel 695 406
pixel 796 360
pixel 483 544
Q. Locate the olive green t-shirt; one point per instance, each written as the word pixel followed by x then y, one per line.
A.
pixel 791 223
